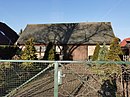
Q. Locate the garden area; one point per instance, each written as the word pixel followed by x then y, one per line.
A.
pixel 105 70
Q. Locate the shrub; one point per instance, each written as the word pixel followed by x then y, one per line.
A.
pixel 29 53
pixel 103 53
pixel 96 52
pixel 115 51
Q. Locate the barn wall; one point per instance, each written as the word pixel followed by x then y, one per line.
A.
pixel 80 53
pixel 84 52
pixel 91 49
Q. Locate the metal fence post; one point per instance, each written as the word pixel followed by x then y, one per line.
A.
pixel 56 79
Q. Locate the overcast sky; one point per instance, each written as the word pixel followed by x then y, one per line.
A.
pixel 18 13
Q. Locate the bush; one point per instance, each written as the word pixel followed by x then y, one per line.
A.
pixel 96 52
pixel 103 53
pixel 29 53
pixel 115 51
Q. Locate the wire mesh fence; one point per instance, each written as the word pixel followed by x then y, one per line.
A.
pixel 88 80
pixel 64 79
pixel 15 73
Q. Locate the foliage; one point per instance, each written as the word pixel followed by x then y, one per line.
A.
pixel 109 72
pixel 96 52
pixel 12 76
pixel 51 55
pixel 4 68
pixel 102 53
pixel 115 51
pixel 106 70
pixel 109 55
pixel 29 53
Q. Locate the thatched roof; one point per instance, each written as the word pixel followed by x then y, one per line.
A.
pixel 68 33
pixel 7 35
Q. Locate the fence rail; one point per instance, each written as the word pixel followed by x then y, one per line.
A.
pixel 38 78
